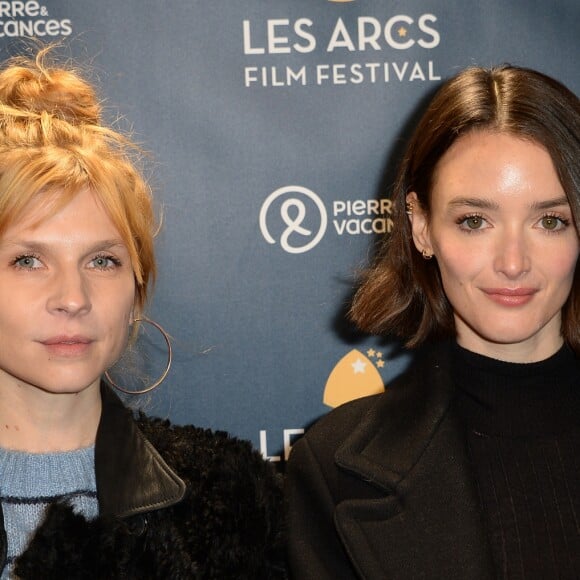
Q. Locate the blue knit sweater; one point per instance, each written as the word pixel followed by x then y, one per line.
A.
pixel 29 482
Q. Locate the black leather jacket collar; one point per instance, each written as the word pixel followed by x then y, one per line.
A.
pixel 132 478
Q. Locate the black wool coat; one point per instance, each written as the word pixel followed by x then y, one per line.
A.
pixel 382 489
pixel 175 503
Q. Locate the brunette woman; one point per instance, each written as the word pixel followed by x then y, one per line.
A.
pixel 466 467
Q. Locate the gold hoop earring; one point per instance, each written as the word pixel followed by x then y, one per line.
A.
pixel 426 255
pixel 163 375
pixel 409 208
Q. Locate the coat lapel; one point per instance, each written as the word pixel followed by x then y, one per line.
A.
pixel 131 476
pixel 423 521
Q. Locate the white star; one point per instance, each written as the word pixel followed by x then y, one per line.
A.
pixel 359 366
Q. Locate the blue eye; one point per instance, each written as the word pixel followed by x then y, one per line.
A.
pixel 104 262
pixel 27 262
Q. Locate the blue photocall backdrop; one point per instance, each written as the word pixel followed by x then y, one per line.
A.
pixel 274 127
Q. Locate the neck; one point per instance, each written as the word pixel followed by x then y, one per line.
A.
pixel 38 421
pixel 534 349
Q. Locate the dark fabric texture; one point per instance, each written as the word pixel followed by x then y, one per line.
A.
pixel 523 425
pixel 204 505
pixel 382 488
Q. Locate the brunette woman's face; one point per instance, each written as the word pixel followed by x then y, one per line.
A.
pixel 502 232
pixel 66 296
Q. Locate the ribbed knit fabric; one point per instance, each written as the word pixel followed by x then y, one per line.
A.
pixel 523 425
pixel 29 482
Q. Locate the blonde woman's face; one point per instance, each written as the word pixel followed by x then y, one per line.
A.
pixel 502 232
pixel 66 296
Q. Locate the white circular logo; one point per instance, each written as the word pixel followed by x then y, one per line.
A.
pixel 293 212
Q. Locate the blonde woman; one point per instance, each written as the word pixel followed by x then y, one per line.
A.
pixel 86 489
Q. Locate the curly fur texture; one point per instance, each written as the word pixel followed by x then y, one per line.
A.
pixel 228 526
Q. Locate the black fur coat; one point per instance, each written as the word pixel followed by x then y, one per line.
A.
pixel 174 502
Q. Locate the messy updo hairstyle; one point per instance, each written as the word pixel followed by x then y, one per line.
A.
pixel 401 293
pixel 53 144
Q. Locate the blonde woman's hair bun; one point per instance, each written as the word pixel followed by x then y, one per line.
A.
pixel 36 87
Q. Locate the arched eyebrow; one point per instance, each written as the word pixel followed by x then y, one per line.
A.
pixel 483 203
pixel 478 202
pixel 42 247
pixel 551 203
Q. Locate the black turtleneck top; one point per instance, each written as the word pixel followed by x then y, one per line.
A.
pixel 523 431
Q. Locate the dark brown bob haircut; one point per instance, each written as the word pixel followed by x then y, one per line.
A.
pixel 401 293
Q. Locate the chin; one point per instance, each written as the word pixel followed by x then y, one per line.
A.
pixel 61 386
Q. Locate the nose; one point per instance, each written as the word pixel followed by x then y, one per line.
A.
pixel 512 257
pixel 69 293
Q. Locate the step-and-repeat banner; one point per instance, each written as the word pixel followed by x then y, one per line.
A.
pixel 274 127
